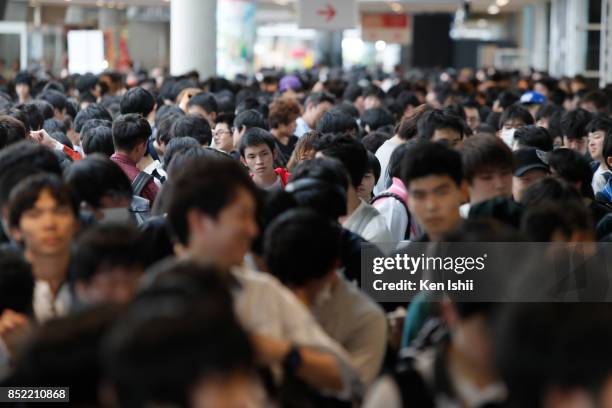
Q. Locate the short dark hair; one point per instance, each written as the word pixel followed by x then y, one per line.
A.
pixel 483 152
pixel 599 122
pixel 164 128
pixel 336 121
pixel 16 283
pixel 250 119
pixel 373 166
pixel 515 112
pixel 93 111
pixel 574 123
pixel 105 245
pixel 256 137
pixel 428 158
pixel 55 98
pixel 324 188
pixel 129 130
pixel 549 189
pixel 177 145
pixel 207 186
pixel 376 118
pixel 607 148
pixel 597 98
pixel 436 119
pixel 25 194
pixel 349 151
pixel 204 100
pixel 165 111
pixel 11 131
pixel 185 156
pixel 98 140
pixel 44 108
pixel 35 118
pixel 317 98
pixel 194 126
pixel 21 160
pixel 137 100
pixel 301 246
pixel 572 167
pixel 373 140
pixel 95 177
pixel 534 136
pixel 507 99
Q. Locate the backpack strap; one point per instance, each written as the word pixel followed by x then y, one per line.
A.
pixel 139 183
pixel 389 194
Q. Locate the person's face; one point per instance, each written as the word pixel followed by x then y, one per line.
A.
pixel 472 117
pixel 222 138
pixel 48 227
pixel 490 183
pixel 520 184
pixel 320 110
pixel 197 110
pixel 450 136
pixel 228 237
pixel 22 90
pixel 472 337
pixel 595 144
pixel 116 284
pixel 287 129
pixel 259 159
pixel 235 391
pixel 579 145
pixel 543 123
pixel 364 191
pixel 371 102
pixel 359 104
pixel 513 124
pixel 434 201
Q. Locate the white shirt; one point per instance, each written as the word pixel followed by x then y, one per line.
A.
pixel 263 305
pixel 383 154
pixel 156 165
pixel 367 222
pixel 464 210
pixel 599 180
pixel 46 306
pixel 301 128
pixel 395 217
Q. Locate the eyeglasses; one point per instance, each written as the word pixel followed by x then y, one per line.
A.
pixel 221 132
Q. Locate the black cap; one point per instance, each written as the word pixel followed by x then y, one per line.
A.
pixel 529 158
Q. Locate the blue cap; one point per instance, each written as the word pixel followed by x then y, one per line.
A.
pixel 533 98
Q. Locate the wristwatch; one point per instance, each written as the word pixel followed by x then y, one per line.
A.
pixel 292 360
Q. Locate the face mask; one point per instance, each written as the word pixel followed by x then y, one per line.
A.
pixel 116 215
pixel 507 136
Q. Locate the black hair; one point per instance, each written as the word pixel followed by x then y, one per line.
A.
pixel 165 111
pixel 428 158
pixel 55 98
pixel 324 186
pixel 226 118
pixel 54 125
pixel 373 140
pixel 352 92
pixel 16 283
pixel 597 98
pixel 507 99
pixel 346 108
pixel 62 138
pixel 436 119
pixel 349 151
pixel 105 245
pixel 95 177
pixel 335 121
pixel 539 223
pixel 273 203
pixel 23 77
pixel 549 189
pixel 19 115
pixel 394 168
pixel 546 111
pixel 375 91
pixel 301 246
pixel 11 131
pixel 25 194
pixel 164 129
pixel 373 166
pixel 484 152
pixel 572 167
pixel 515 112
pixel 250 119
pixel 184 157
pixel 600 122
pixel 23 159
pixel 129 130
pixel 93 111
pixel 137 100
pixel 98 140
pixel 44 108
pixel 35 119
pixel 574 123
pixel 177 145
pixel 256 137
pixel 407 98
pixel 376 118
pixel 204 100
pixel 72 108
pixel 194 126
pixel 534 136
pixel 318 98
pixel 207 186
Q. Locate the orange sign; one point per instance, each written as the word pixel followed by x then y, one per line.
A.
pixel 388 27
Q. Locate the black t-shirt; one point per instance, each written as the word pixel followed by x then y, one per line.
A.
pixel 285 151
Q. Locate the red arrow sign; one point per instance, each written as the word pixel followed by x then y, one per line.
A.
pixel 328 12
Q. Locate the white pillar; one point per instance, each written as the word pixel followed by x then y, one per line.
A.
pixel 193 37
pixel 540 40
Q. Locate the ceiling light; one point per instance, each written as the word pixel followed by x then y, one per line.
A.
pixel 502 3
pixel 493 9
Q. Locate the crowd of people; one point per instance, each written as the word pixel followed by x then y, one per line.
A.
pixel 182 242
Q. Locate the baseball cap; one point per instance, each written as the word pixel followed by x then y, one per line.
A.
pixel 533 98
pixel 529 158
pixel 289 82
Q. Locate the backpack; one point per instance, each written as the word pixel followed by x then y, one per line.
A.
pixel 140 207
